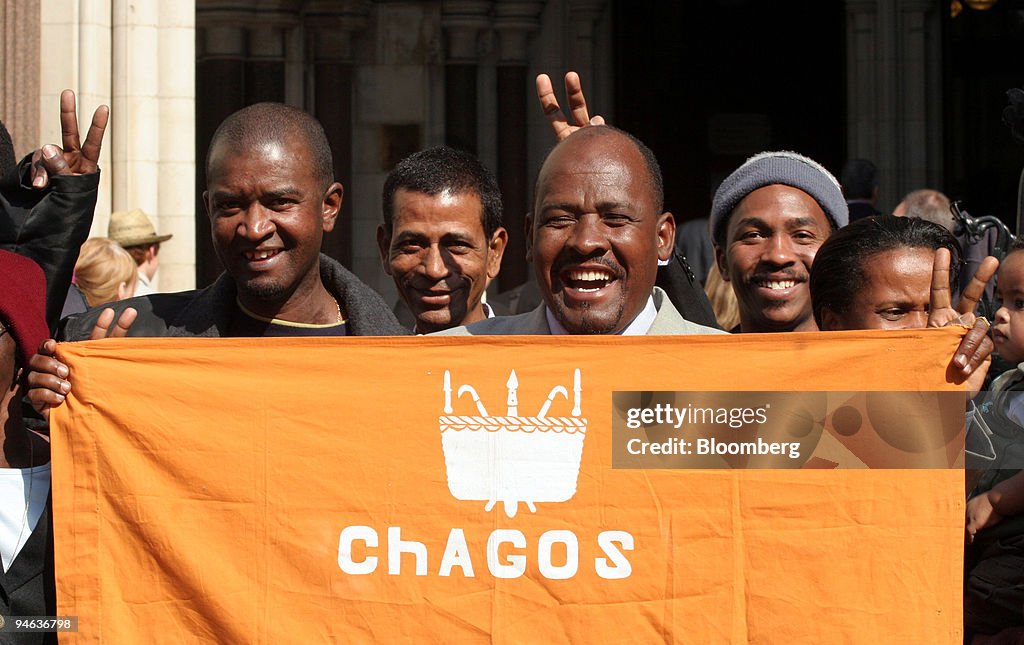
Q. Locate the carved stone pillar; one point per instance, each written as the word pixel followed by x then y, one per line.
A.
pixel 462 20
pixel 267 28
pixel 583 17
pixel 894 92
pixel 919 104
pixel 860 79
pixel 514 21
pixel 329 26
pixel 264 65
pixel 19 73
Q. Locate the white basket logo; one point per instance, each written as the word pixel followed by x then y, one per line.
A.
pixel 512 459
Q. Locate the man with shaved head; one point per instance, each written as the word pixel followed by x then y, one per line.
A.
pixel 270 197
pixel 595 237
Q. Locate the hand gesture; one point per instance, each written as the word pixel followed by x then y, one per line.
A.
pixel 974 354
pixel 577 105
pixel 49 379
pixel 73 158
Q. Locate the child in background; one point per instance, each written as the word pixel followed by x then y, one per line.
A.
pixel 994 559
pixel 105 272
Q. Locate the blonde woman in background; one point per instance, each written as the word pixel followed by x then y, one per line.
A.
pixel 105 272
pixel 723 299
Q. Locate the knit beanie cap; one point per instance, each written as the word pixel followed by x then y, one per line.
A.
pixel 23 302
pixel 787 168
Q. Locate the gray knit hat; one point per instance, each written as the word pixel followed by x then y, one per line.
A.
pixel 787 168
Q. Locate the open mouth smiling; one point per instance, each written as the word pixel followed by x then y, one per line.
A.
pixel 261 254
pixel 587 280
pixel 776 285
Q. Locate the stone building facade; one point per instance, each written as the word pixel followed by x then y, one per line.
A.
pixel 388 77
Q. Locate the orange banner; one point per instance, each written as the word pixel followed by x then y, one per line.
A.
pixel 415 489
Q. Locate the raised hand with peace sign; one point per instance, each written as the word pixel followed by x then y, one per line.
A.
pixel 73 157
pixel 974 354
pixel 577 105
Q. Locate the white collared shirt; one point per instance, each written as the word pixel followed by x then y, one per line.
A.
pixel 23 493
pixel 639 327
pixel 142 286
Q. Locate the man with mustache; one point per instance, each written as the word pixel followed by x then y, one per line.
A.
pixel 442 238
pixel 595 237
pixel 768 219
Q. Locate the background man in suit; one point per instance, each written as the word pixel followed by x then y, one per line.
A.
pixel 442 240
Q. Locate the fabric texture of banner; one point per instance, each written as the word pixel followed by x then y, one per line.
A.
pixel 416 489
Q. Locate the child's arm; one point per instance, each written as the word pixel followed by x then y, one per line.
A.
pixel 989 508
pixel 980 515
pixel 1007 496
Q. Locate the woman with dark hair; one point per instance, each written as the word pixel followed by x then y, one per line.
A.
pixel 876 273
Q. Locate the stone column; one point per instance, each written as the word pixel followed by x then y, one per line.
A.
pixel 19 73
pixel 860 79
pixel 264 65
pixel 136 124
pixel 920 157
pixel 463 20
pixel 152 134
pixel 176 163
pixel 514 21
pixel 330 25
pixel 583 17
pixel 78 57
pixel 894 113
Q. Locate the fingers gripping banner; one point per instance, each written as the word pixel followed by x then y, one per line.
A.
pixel 468 490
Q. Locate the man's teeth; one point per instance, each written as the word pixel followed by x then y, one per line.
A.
pixel 778 284
pixel 590 276
pixel 260 255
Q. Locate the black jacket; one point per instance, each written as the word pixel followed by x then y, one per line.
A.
pixel 208 312
pixel 48 226
pixel 27 588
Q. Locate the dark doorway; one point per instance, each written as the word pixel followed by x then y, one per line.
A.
pixel 707 84
pixel 982 61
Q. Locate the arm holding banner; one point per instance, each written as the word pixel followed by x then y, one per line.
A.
pixel 50 380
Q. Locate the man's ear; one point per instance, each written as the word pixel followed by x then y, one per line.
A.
pixel 332 205
pixel 528 233
pixel 384 246
pixel 496 250
pixel 830 321
pixel 723 266
pixel 666 236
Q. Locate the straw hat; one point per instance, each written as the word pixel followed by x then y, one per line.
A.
pixel 133 228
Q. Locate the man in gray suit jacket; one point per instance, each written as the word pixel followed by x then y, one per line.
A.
pixel 597 234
